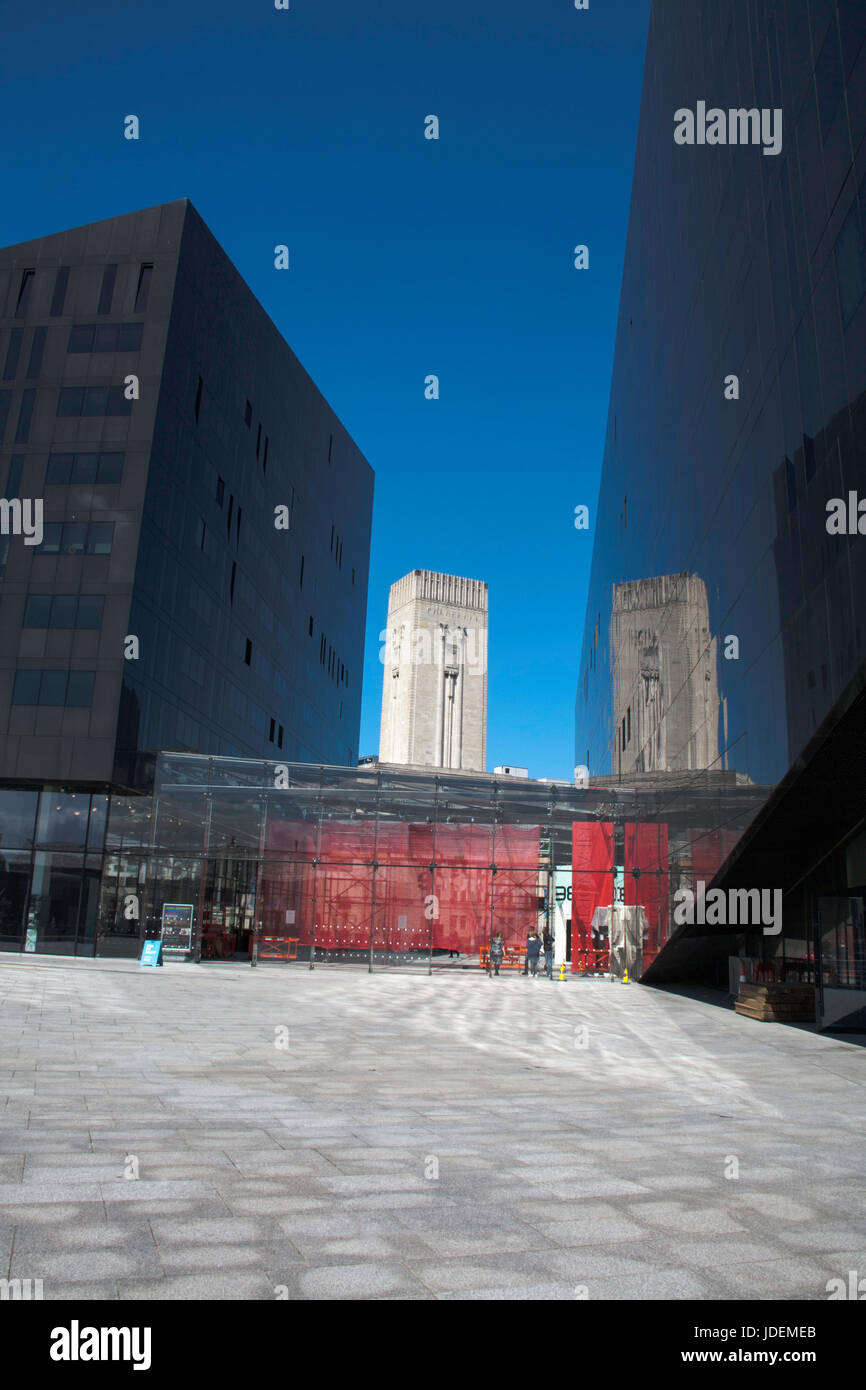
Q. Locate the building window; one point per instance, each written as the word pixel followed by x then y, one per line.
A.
pixel 106 294
pixel 280 737
pixel 25 293
pixel 83 468
pixel 58 298
pixel 322 649
pixel 72 689
pixel 63 611
pixel 248 415
pixel 259 439
pixel 37 348
pixel 25 415
pixel 105 337
pixel 76 538
pixel 92 400
pixel 265 457
pixel 238 526
pixel 12 353
pixel 248 653
pixel 311 624
pixel 231 512
pixel 198 398
pixel 220 491
pixel 273 730
pixel 142 293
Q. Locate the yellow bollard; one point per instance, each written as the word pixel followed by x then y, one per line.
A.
pixel 625 978
pixel 562 970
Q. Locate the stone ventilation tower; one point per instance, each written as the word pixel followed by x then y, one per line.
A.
pixel 434 696
pixel 665 686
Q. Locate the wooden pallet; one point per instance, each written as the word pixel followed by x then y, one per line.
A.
pixel 777 1003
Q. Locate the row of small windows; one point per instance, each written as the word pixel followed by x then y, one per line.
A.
pixel 93 400
pixel 76 538
pixel 105 337
pixel 64 610
pixel 248 421
pixel 106 290
pixel 328 658
pixel 83 468
pixel 72 689
pixel 74 401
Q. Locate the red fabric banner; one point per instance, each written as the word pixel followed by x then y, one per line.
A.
pixel 592 884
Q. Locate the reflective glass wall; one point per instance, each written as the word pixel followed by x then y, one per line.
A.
pixel 51 861
pixel 724 621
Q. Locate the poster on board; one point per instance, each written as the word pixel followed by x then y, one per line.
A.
pixel 177 926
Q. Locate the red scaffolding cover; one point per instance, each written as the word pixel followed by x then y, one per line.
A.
pixel 592 883
pixel 341 899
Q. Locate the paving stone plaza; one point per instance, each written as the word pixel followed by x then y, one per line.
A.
pixel 338 1135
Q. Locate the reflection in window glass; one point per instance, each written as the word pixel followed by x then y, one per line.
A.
pixel 100 538
pixel 63 818
pixel 17 819
pixel 54 901
pixel 74 537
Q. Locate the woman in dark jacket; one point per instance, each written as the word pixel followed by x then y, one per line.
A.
pixel 497 951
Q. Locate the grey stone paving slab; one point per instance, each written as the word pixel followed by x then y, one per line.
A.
pixel 238 1284
pixel 77 1235
pixel 81 1266
pixel 557 1167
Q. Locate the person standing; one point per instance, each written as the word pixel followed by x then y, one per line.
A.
pixel 533 951
pixel 547 943
pixel 497 951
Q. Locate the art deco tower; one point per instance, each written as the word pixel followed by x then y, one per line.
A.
pixel 434 697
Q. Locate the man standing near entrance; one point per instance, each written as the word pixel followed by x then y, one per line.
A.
pixel 533 951
pixel 547 942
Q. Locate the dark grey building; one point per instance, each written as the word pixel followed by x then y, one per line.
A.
pixel 201 577
pixel 736 429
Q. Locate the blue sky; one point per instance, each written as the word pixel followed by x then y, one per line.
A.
pixel 408 257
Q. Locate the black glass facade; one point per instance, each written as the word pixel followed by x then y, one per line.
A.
pixel 200 577
pixel 724 626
